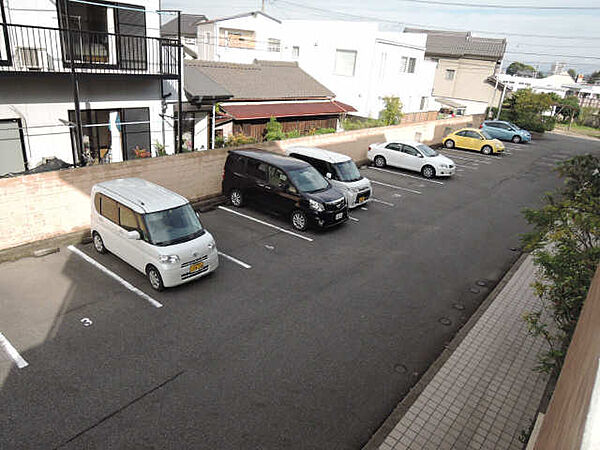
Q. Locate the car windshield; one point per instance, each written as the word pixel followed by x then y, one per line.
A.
pixel 426 150
pixel 173 226
pixel 347 171
pixel 486 135
pixel 308 179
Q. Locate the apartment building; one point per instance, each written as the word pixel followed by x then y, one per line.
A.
pixel 83 82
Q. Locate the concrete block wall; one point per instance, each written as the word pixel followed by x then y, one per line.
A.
pixel 46 205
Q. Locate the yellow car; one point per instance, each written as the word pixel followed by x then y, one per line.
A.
pixel 473 139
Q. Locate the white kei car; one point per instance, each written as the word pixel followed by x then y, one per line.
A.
pixel 411 155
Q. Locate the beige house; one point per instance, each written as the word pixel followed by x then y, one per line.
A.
pixel 466 68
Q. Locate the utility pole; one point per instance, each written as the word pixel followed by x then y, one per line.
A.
pixel 262 8
pixel 179 79
pixel 501 101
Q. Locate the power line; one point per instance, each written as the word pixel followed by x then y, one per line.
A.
pixel 550 54
pixel 498 6
pixel 398 22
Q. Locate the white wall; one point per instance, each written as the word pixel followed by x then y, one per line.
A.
pixel 264 28
pixel 41 101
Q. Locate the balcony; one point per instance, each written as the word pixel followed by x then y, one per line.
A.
pixel 28 49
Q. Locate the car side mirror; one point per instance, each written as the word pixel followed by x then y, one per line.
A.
pixel 133 235
pixel 328 175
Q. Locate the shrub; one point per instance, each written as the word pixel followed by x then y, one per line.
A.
pixel 324 130
pixel 274 130
pixel 235 140
pixel 391 114
pixel 292 134
pixel 219 142
pixel 357 124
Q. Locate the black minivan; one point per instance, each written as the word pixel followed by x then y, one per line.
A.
pixel 283 185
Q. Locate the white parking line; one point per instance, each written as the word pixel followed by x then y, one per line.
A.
pixel 472 160
pixel 376 200
pixel 113 275
pixel 467 155
pixel 405 175
pixel 12 352
pixel 283 230
pixel 354 219
pixel 396 187
pixel 235 260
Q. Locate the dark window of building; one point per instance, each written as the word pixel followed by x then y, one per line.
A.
pixel 136 133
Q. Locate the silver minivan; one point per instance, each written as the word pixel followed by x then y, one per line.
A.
pixel 340 170
pixel 152 229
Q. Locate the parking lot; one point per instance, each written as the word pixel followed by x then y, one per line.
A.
pixel 298 340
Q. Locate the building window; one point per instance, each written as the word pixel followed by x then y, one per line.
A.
pixel 407 65
pixel 412 62
pixel 295 52
pixel 229 37
pixel 423 103
pixel 403 64
pixel 450 74
pixel 274 45
pixel 345 62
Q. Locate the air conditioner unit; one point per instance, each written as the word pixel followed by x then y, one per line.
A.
pixel 34 59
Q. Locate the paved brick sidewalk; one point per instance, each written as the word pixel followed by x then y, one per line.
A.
pixel 485 394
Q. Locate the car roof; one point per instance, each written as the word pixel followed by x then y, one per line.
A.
pixel 281 161
pixel 497 121
pixel 140 195
pixel 467 129
pixel 319 153
pixel 411 143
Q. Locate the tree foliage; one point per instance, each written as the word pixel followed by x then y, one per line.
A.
pixel 524 108
pixel 391 114
pixel 516 67
pixel 594 77
pixel 566 245
pixel 573 74
pixel 274 130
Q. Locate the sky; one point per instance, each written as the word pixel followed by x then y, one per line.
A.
pixel 579 30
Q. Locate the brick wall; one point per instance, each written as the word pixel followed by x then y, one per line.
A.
pixel 41 206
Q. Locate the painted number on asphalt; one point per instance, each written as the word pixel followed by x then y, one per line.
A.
pixel 86 322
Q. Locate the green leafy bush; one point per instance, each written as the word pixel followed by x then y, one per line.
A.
pixel 274 130
pixel 391 114
pixel 292 134
pixel 524 108
pixel 324 130
pixel 235 140
pixel 357 124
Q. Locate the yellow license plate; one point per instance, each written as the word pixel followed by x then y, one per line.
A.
pixel 361 199
pixel 196 267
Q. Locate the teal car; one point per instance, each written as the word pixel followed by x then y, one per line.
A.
pixel 505 131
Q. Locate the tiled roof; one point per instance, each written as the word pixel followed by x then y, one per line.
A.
pixel 263 80
pixel 188 25
pixel 457 44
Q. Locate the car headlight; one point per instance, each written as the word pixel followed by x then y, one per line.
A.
pixel 444 166
pixel 316 206
pixel 211 245
pixel 168 259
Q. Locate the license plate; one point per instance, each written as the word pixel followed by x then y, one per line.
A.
pixel 361 199
pixel 338 216
pixel 196 267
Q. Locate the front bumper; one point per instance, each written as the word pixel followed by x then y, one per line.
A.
pixel 356 199
pixel 445 172
pixel 326 219
pixel 176 274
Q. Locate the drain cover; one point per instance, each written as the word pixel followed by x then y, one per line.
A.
pixel 481 283
pixel 445 321
pixel 474 290
pixel 459 306
pixel 400 368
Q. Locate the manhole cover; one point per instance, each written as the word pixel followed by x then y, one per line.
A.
pixel 459 306
pixel 474 290
pixel 445 321
pixel 481 283
pixel 400 368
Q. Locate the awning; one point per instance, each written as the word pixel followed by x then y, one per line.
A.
pixel 265 111
pixel 450 103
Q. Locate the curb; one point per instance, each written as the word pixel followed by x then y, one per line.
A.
pixel 53 244
pixel 398 412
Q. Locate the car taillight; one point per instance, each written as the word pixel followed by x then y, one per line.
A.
pixel 481 126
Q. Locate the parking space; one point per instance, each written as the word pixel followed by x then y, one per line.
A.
pixel 329 327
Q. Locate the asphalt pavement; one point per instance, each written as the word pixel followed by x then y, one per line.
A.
pixel 309 343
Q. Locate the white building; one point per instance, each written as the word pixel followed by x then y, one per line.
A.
pixel 354 59
pixel 558 84
pixel 120 63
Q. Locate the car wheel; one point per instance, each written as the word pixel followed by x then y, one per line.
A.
pixel 428 172
pixel 299 220
pixel 237 198
pixel 98 243
pixel 516 139
pixel 486 150
pixel 155 279
pixel 449 143
pixel 380 161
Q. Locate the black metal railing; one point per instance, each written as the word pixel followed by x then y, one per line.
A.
pixel 43 49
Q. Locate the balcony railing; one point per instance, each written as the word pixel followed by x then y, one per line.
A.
pixel 36 49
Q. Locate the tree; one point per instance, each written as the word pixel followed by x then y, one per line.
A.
pixel 391 114
pixel 566 108
pixel 525 108
pixel 594 77
pixel 274 130
pixel 573 74
pixel 565 242
pixel 516 67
